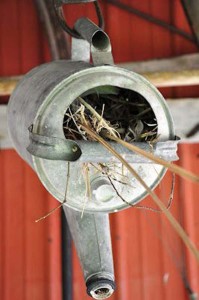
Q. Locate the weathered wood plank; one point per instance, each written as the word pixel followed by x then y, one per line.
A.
pixel 172 64
pixel 7 84
pixel 159 79
pixel 178 71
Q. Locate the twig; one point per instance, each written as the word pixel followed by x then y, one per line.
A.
pixel 67 182
pixel 142 113
pixel 64 201
pixel 110 180
pixel 168 204
pixel 76 124
pixel 141 206
pixel 50 213
pixel 87 181
pixel 100 119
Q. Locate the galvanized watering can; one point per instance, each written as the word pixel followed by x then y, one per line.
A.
pixel 36 115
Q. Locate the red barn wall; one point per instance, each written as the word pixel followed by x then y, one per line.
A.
pixel 150 260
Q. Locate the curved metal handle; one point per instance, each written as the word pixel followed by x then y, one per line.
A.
pixel 60 15
pixel 53 148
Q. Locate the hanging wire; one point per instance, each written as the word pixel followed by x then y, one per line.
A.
pixel 72 32
pixel 152 19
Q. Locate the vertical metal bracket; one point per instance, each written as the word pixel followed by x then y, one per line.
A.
pixel 80 50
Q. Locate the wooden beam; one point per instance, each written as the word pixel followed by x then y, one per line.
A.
pixel 159 79
pixel 7 84
pixel 171 79
pixel 172 64
pixel 178 71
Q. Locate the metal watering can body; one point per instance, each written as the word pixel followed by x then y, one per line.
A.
pixel 41 100
pixel 36 114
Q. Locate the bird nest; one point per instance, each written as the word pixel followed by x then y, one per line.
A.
pixel 120 112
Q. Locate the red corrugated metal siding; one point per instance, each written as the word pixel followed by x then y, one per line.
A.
pixel 30 253
pixel 148 255
pixel 189 194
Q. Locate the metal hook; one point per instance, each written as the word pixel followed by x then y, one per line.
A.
pixel 61 18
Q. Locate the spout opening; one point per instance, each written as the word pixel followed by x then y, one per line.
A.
pixel 100 41
pixel 102 292
pixel 100 288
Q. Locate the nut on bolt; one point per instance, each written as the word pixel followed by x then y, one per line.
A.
pixel 74 149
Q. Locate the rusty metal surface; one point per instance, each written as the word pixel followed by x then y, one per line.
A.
pixel 150 259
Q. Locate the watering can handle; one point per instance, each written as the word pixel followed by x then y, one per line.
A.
pixel 60 15
pixel 88 38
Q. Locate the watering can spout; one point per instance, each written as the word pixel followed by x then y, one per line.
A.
pixel 91 235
